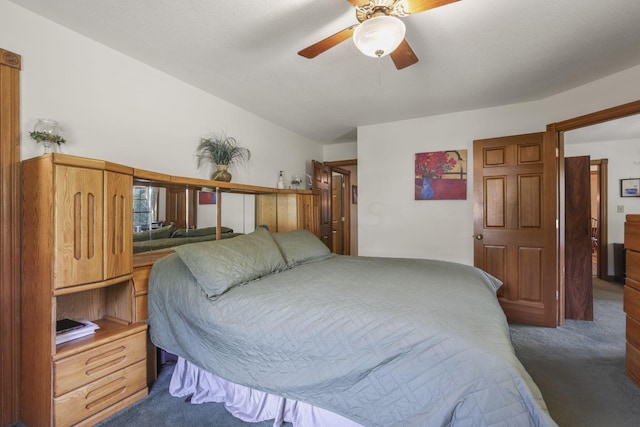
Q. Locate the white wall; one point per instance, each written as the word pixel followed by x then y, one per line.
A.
pixel 624 162
pixel 115 108
pixel 344 151
pixel 392 223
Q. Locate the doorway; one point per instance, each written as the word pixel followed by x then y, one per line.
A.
pixel 599 223
pixel 342 209
pixel 604 249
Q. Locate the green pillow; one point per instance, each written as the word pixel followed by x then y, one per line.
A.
pixel 197 232
pixel 300 246
pixel 157 233
pixel 220 265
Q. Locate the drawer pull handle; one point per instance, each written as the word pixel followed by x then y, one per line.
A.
pixel 107 365
pixel 101 356
pixel 106 398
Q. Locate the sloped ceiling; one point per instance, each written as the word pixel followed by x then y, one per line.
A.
pixel 473 54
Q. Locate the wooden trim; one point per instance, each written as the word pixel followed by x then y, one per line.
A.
pixel 617 112
pixel 351 162
pixel 9 236
pixel 558 129
pixel 90 286
pixel 603 232
pixel 10 59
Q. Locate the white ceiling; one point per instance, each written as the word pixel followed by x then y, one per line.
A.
pixel 473 54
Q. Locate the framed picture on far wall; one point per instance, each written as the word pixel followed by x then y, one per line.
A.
pixel 630 187
pixel 206 198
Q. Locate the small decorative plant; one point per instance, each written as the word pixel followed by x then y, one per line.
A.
pixel 40 136
pixel 221 150
pixel 47 132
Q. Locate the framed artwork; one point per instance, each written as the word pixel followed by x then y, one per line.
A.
pixel 206 198
pixel 441 175
pixel 354 194
pixel 630 187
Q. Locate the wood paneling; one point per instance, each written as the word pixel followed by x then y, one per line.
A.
pixel 9 235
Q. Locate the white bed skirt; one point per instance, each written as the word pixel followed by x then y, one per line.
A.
pixel 246 403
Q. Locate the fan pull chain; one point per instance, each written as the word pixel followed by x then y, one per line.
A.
pixel 379 72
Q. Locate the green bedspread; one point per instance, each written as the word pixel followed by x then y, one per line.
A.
pixel 385 342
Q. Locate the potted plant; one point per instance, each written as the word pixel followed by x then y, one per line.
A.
pixel 222 151
pixel 47 132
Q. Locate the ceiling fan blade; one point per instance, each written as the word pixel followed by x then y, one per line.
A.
pixel 417 6
pixel 359 2
pixel 403 56
pixel 326 44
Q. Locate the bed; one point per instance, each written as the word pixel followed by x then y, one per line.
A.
pixel 278 328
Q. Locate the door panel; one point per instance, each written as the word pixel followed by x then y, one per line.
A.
pixel 337 214
pixel 578 276
pixel 118 259
pixel 515 223
pixel 79 246
pixel 181 213
pixel 322 184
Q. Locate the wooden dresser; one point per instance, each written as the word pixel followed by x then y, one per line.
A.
pixel 77 263
pixel 632 295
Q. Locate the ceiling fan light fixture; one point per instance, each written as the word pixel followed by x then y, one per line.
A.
pixel 379 36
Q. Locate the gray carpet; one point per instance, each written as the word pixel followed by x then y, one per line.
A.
pixel 579 367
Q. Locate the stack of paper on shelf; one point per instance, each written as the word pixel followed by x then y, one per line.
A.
pixel 67 330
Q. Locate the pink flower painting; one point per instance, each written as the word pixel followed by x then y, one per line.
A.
pixel 441 175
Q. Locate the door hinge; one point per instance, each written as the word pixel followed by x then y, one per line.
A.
pixel 557 295
pixel 557 223
pixel 557 152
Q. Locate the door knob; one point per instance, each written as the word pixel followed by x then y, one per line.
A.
pixel 478 236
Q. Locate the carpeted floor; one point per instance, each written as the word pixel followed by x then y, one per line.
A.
pixel 579 367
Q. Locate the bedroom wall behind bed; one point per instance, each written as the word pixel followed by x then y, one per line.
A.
pixel 116 108
pixel 392 223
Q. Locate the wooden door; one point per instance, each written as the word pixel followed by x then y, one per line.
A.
pixel 337 214
pixel 79 225
pixel 322 184
pixel 181 213
pixel 515 223
pixel 578 275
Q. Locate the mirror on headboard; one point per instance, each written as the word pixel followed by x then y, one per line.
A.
pixel 166 216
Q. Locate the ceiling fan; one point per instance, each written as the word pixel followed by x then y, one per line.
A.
pixel 379 32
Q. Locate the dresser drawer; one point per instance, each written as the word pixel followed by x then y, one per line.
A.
pixel 635 284
pixel 82 368
pixel 632 232
pixel 632 265
pixel 633 331
pixel 92 398
pixel 631 302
